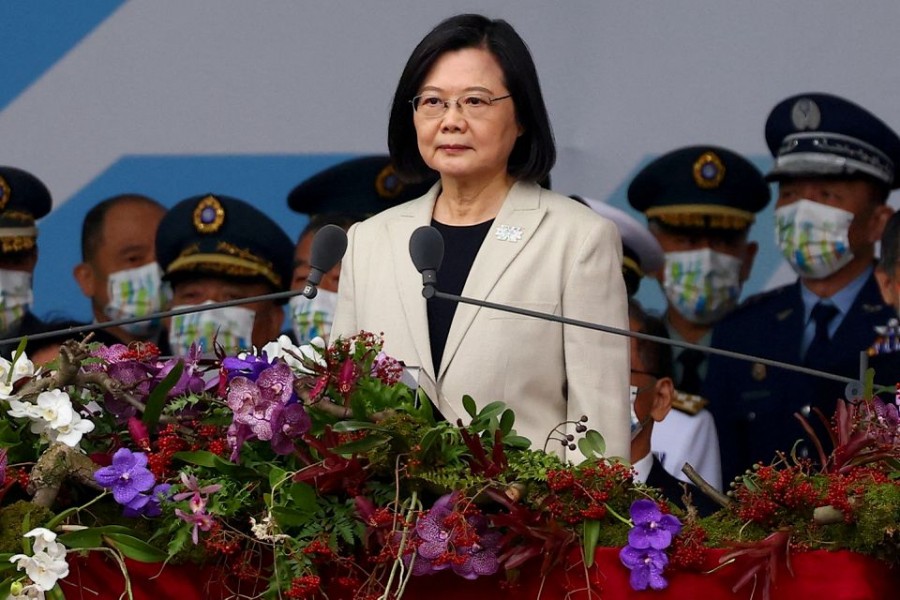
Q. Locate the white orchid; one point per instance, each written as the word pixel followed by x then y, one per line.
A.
pixel 11 373
pixel 27 592
pixel 53 417
pixel 45 541
pixel 55 407
pixel 71 433
pixel 285 349
pixel 47 564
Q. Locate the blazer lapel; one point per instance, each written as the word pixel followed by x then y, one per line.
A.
pixel 408 280
pixel 521 213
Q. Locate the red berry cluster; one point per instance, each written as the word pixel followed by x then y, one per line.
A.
pixel 167 445
pixel 304 587
pixel 141 351
pixel 583 493
pixel 319 548
pixel 688 550
pixel 209 437
pixel 222 541
pixel 775 493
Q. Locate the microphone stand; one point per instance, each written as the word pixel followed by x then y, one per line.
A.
pixel 429 291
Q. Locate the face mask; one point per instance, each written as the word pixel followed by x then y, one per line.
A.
pixel 813 237
pixel 15 298
pixel 230 327
pixel 313 318
pixel 637 425
pixel 136 293
pixel 702 285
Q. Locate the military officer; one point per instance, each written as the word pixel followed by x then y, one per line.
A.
pixel 340 195
pixel 23 200
pixel 835 165
pixel 214 248
pixel 700 202
pixel 688 433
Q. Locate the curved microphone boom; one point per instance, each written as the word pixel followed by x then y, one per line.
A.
pixel 328 248
pixel 426 248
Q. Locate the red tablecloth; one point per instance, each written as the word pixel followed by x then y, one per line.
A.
pixel 818 575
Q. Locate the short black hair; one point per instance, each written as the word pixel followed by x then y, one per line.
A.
pixel 534 153
pixel 890 245
pixel 92 227
pixel 656 356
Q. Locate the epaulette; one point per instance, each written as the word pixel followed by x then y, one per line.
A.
pixel 688 403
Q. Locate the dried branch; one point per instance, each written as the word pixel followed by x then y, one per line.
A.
pixel 704 486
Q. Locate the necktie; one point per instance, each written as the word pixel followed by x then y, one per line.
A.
pixel 819 352
pixel 690 371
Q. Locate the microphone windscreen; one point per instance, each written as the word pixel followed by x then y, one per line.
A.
pixel 426 247
pixel 328 248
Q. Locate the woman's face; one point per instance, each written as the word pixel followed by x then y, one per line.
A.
pixel 458 145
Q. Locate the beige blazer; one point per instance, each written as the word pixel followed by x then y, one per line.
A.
pixel 567 262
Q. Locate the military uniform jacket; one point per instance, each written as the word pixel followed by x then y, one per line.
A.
pixel 753 404
pixel 546 253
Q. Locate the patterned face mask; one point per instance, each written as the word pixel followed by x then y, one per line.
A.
pixel 231 327
pixel 15 298
pixel 813 237
pixel 702 285
pixel 136 293
pixel 313 318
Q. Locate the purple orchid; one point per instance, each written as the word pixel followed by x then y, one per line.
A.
pixel 148 504
pixel 887 422
pixel 267 407
pixel 127 476
pixel 652 529
pixel 250 366
pixel 646 565
pixel 200 521
pixel 464 544
pixel 198 517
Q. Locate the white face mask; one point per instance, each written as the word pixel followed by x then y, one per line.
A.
pixel 136 293
pixel 16 297
pixel 702 285
pixel 313 318
pixel 637 426
pixel 813 237
pixel 231 327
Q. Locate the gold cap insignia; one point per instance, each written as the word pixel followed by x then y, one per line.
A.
pixel 209 215
pixel 709 171
pixel 388 184
pixel 758 371
pixel 4 193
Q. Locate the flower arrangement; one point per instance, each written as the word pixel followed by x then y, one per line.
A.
pixel 315 472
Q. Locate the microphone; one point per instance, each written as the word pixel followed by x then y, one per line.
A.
pixel 328 248
pixel 426 248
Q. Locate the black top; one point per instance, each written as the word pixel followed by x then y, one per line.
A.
pixel 461 244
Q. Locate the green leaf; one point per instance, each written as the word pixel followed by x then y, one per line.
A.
pixel 288 517
pixel 469 405
pixel 360 446
pixel 517 441
pixel 428 440
pixel 276 476
pixel 596 441
pixel 92 537
pixel 591 536
pixel 204 458
pixel 507 420
pixel 157 398
pixel 303 496
pixel 135 548
pixel 491 410
pixel 347 426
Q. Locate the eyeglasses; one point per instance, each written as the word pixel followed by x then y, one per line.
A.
pixel 432 106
